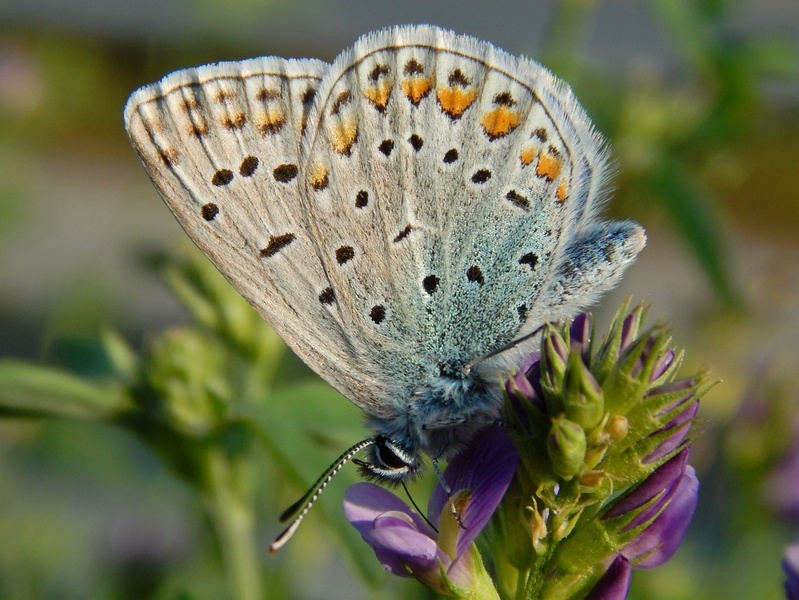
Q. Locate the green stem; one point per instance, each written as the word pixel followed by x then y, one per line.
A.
pixel 228 503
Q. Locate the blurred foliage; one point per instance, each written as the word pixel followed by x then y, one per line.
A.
pixel 669 135
pixel 218 428
pixel 217 401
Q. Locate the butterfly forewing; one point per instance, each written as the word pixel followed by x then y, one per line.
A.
pixel 222 145
pixel 450 186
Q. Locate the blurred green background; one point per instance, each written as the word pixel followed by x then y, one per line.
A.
pixel 701 102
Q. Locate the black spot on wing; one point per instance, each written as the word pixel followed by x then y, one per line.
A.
pixel 222 177
pixel 475 274
pixel 344 254
pixel 481 176
pixel 285 173
pixel 209 211
pixel 378 314
pixel 530 259
pixel 386 146
pixel 248 166
pixel 430 284
pixel 276 243
pixel 327 296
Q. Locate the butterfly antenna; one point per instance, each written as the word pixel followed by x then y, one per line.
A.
pixel 416 506
pixel 468 366
pixel 309 498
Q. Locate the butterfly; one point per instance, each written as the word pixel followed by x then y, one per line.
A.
pixel 406 218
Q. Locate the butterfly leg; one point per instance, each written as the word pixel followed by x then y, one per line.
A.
pixel 440 475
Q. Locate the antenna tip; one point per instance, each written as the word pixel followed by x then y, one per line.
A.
pixel 284 537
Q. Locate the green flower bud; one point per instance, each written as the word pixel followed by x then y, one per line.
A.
pixel 566 445
pixel 582 395
pixel 185 370
pixel 554 354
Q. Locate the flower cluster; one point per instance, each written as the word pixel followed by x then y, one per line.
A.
pixel 587 481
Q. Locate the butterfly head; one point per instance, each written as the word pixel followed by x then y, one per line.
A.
pixel 389 462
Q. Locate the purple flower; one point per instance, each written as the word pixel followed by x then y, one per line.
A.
pixel 527 383
pixel 615 583
pixel 790 565
pixel 587 418
pixel 407 546
pixel 663 505
pixel 783 484
pixel 389 526
pixel 660 540
pixel 672 434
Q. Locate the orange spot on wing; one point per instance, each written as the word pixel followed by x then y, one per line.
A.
pixel 416 88
pixel 500 122
pixel 549 166
pixel 234 121
pixel 527 156
pixel 343 134
pixel 190 105
pixel 223 96
pixel 153 123
pixel 319 178
pixel 270 121
pixel 267 94
pixel 563 191
pixel 169 156
pixel 455 100
pixel 198 128
pixel 379 94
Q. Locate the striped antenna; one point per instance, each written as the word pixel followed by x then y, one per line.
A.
pixel 512 344
pixel 304 504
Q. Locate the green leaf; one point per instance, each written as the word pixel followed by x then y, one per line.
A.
pixel 30 390
pixel 693 216
pixel 121 355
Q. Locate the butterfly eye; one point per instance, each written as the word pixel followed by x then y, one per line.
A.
pixel 389 458
pixel 389 462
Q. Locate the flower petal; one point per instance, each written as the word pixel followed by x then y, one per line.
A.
pixel 670 388
pixel 400 538
pixel 660 540
pixel 406 552
pixel 580 335
pixel 662 365
pixel 678 427
pixel 662 479
pixel 615 583
pixel 365 502
pixel 519 384
pixel 783 485
pixel 486 468
pixel 629 330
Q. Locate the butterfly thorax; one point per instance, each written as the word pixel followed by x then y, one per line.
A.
pixel 439 419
